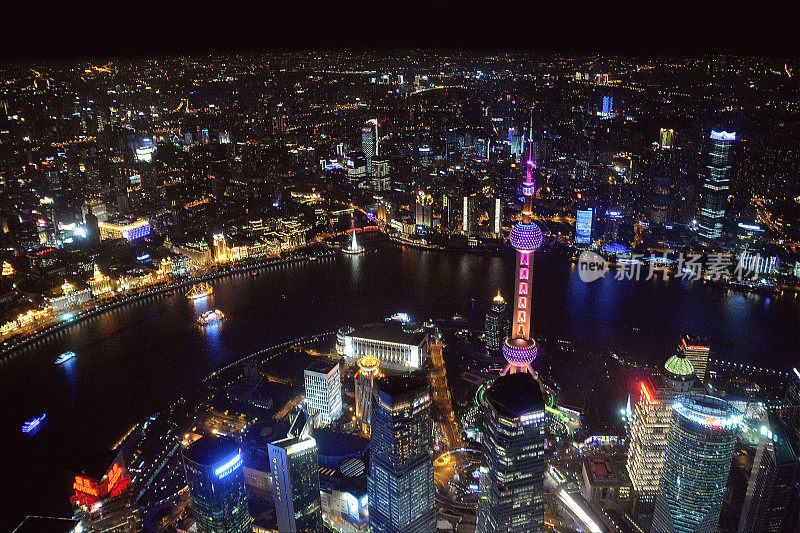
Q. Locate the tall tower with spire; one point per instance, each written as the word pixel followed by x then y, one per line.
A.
pixel 519 349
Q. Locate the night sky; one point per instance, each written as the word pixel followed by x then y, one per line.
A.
pixel 94 28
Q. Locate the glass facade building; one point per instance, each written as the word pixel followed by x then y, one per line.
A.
pixel 770 504
pixel 716 185
pixel 215 477
pixel 295 484
pixel 700 445
pixel 512 462
pixel 400 483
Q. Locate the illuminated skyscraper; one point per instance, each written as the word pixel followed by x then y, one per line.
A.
pixel 520 349
pixel 496 217
pixel 295 482
pixel 697 351
pixel 512 460
pixel 368 371
pixel 716 185
pixel 424 209
pixel 665 138
pixel 214 474
pixel 103 499
pixel 369 142
pixel 700 444
pixel 323 386
pixel 400 484
pixel 583 226
pixel 497 320
pixel 652 416
pixel 468 214
pixel 770 504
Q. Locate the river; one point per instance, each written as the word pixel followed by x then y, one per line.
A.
pixel 138 358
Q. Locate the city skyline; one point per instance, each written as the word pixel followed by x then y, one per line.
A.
pixel 401 292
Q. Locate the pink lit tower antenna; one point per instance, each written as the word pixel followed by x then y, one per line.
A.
pixel 520 349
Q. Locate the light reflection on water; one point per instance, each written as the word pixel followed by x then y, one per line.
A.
pixel 135 359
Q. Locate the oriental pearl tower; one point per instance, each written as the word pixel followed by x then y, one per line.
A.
pixel 519 348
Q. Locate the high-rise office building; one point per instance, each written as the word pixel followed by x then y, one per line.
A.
pixel 608 107
pixel 716 185
pixel 659 208
pixel 770 504
pixel 583 226
pixel 295 479
pixel 652 416
pixel 468 211
pixel 665 136
pixel 497 322
pixel 496 217
pixel 697 351
pixel 512 460
pixel 369 142
pixel 400 484
pixel 103 500
pixel 519 348
pixel 324 390
pixel 368 371
pixel 424 209
pixel 214 474
pixel 700 444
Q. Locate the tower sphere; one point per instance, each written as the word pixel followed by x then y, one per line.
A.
pixel 519 352
pixel 525 237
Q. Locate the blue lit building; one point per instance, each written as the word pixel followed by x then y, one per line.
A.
pixel 583 226
pixel 716 186
pixel 214 474
pixel 400 483
pixel 512 460
pixel 700 445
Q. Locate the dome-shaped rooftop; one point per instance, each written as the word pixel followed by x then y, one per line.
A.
pixel 679 366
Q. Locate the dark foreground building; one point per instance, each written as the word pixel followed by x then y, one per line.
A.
pixel 216 485
pixel 400 483
pixel 512 463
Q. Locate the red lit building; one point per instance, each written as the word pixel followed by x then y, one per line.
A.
pixel 103 499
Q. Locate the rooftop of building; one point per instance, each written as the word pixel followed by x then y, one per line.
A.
pixel 389 332
pixel 604 471
pixel 322 366
pixel 695 341
pixel 402 384
pixel 679 365
pixel 331 443
pixel 211 449
pixel 515 394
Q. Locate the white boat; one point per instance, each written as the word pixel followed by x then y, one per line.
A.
pixel 33 424
pixel 64 357
pixel 209 317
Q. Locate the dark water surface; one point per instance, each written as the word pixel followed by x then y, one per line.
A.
pixel 137 359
